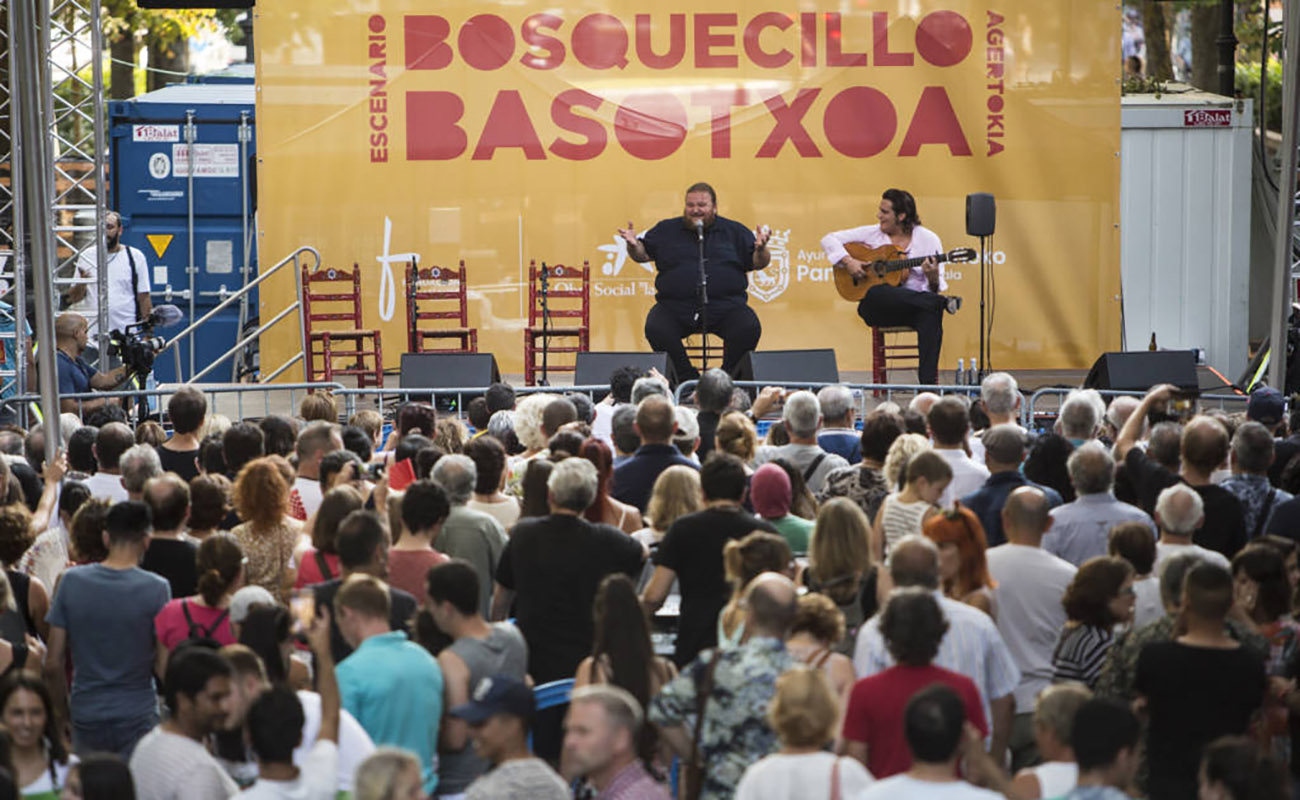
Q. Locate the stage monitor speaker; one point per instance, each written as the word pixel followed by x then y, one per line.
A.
pixel 789 366
pixel 594 369
pixel 1142 369
pixel 448 371
pixel 981 214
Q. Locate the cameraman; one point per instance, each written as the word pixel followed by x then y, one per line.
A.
pixel 71 333
pixel 128 282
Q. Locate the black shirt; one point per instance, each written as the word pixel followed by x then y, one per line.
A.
pixel 173 559
pixel 401 611
pixel 708 433
pixel 1145 478
pixel 183 462
pixel 728 256
pixel 554 564
pixel 1224 529
pixel 634 479
pixel 1194 695
pixel 1286 520
pixel 692 548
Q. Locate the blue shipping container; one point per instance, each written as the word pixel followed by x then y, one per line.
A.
pixel 149 184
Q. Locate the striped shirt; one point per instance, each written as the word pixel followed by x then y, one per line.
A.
pixel 1080 653
pixel 899 519
pixel 972 647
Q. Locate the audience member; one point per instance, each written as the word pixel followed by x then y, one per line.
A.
pixel 241 444
pixel 99 777
pixel 691 553
pixel 1132 542
pixel 804 713
pixel 743 560
pixel 802 502
pixel 357 442
pixel 818 628
pixel 113 440
pixel 266 629
pixel 604 508
pixel 534 502
pixel 687 436
pixel 841 567
pixel 267 535
pixel 1261 590
pixel 186 409
pixel 489 459
pixel 138 465
pixel 601 732
pixel 802 417
pixel 838 434
pixel 928 476
pixel 1163 447
pixel 1236 768
pixel 478 650
pixel 1203 449
pixel 1179 515
pixel 716 708
pixel 1104 738
pixel 676 493
pixel 390 774
pixel 963 568
pixel 1081 528
pixel 1169 674
pixel 467 534
pixel 500 715
pixel 314 443
pixel 103 615
pixel 171 554
pixel 1058 773
pixel 737 436
pixel 933 723
pixel 1046 464
pixel 320 562
pixel 171 762
pixel 864 482
pixel 38 751
pixel 412 556
pixel 279 435
pixel 1252 455
pixel 1004 448
pixel 30 600
pixel 634 479
pixel 713 396
pixel 771 495
pixel 622 433
pixel 1099 598
pixel 205 616
pixel 450 434
pixel 949 422
pixel 972 646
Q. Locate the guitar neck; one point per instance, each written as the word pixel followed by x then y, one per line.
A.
pixel 909 263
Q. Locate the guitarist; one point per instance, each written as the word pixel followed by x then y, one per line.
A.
pixel 917 302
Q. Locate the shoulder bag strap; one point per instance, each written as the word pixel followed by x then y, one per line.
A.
pixel 324 566
pixel 702 691
pixel 812 468
pixel 1263 515
pixel 135 281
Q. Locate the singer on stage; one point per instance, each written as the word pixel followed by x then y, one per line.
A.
pixel 917 303
pixel 730 251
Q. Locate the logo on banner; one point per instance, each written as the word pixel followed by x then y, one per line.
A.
pixel 160 166
pixel 770 282
pixel 616 257
pixel 387 281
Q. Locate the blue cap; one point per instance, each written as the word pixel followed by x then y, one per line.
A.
pixel 498 694
pixel 1266 405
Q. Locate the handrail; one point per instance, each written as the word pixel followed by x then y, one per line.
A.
pixel 248 287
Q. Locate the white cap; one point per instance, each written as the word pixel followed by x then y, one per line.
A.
pixel 688 426
pixel 246 598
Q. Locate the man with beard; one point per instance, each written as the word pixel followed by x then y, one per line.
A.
pixel 71 337
pixel 128 281
pixel 730 251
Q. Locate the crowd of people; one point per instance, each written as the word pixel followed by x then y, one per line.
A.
pixel 928 601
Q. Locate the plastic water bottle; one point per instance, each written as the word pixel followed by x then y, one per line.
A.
pixel 974 373
pixel 960 377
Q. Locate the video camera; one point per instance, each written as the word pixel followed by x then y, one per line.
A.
pixel 136 346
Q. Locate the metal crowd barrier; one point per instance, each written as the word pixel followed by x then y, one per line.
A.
pixel 1030 411
pixel 239 390
pixel 397 396
pixel 861 391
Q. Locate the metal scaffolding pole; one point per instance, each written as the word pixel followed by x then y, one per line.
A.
pixel 1283 279
pixel 35 146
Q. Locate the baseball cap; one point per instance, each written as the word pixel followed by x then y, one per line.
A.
pixel 688 425
pixel 1266 405
pixel 247 597
pixel 499 694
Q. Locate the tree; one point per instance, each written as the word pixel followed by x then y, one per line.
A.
pixel 165 32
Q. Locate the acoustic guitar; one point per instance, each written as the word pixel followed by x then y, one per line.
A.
pixel 885 265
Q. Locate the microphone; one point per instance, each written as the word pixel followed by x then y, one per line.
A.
pixel 699 228
pixel 165 315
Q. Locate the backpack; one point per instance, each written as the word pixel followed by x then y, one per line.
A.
pixel 199 635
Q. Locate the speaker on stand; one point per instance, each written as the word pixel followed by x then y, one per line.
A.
pixel 981 219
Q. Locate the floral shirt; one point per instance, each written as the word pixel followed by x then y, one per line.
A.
pixel 859 483
pixel 1117 674
pixel 269 554
pixel 735 730
pixel 1253 492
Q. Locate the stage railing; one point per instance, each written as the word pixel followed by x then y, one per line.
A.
pixel 1030 410
pixel 398 396
pixel 860 390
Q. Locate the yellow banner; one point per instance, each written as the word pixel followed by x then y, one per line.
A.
pixel 499 134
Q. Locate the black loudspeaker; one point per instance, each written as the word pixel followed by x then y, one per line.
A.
pixel 789 366
pixel 981 214
pixel 448 371
pixel 1142 369
pixel 594 369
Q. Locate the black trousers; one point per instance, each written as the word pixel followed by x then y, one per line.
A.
pixel 894 306
pixel 669 323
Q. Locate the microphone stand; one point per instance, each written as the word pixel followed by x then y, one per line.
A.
pixel 704 301
pixel 984 345
pixel 546 325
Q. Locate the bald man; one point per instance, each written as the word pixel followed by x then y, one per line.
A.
pixel 1203 449
pixel 635 478
pixel 735 730
pixel 71 335
pixel 1030 584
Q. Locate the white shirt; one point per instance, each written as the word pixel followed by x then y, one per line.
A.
pixel 309 493
pixel 972 646
pixel 904 787
pixel 1031 582
pixel 967 475
pixel 354 744
pixel 925 242
pixel 1166 551
pixel 778 777
pixel 167 766
pixel 602 425
pixel 315 779
pixel 507 512
pixel 1149 606
pixel 121 298
pixel 101 484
